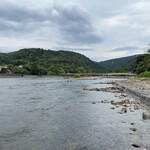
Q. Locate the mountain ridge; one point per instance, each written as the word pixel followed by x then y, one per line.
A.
pixel 41 61
pixel 118 63
pixel 50 61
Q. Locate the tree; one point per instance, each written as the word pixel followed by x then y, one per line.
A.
pixel 38 70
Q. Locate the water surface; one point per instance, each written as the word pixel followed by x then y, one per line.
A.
pixel 53 114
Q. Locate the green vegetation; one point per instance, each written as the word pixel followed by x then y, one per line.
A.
pixel 77 76
pixel 130 65
pixel 139 64
pixel 38 61
pixel 124 64
pixel 143 65
pixel 145 74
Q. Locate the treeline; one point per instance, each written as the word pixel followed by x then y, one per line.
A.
pixel 143 65
pixel 127 67
pixel 139 65
pixel 120 65
pixel 38 61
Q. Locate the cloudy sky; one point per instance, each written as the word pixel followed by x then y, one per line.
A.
pixel 99 29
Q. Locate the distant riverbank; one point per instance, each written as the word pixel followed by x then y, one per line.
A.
pixel 25 76
pixel 66 77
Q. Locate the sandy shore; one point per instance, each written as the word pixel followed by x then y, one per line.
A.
pixel 138 89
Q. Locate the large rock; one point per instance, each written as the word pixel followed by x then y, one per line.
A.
pixel 146 115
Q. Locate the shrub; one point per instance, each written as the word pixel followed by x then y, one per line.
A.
pixel 145 74
pixel 77 76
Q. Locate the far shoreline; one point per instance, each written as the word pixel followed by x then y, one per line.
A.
pixel 64 76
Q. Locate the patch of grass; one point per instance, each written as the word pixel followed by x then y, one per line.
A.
pixel 141 78
pixel 145 74
pixel 77 76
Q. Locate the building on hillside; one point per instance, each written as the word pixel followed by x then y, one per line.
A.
pixel 5 69
pixel 20 66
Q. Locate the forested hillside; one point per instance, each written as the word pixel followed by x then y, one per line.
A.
pixel 130 65
pixel 143 65
pixel 40 61
pixel 117 63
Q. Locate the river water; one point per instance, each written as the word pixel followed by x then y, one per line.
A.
pixel 53 114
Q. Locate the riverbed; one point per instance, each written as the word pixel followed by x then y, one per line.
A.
pixel 54 114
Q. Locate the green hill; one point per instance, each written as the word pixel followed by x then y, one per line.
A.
pixel 40 61
pixel 130 65
pixel 124 64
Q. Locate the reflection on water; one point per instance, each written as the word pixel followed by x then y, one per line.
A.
pixel 48 114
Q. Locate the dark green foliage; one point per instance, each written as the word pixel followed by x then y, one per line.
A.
pixel 41 62
pixel 143 63
pixel 120 70
pixel 19 62
pixel 37 69
pixel 130 66
pixel 123 64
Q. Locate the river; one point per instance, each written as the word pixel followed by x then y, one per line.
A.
pixel 53 114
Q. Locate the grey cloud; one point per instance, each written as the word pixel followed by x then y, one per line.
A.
pixel 129 48
pixel 76 26
pixel 12 12
pixel 72 22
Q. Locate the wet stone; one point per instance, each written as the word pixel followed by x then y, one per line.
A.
pixel 133 129
pixel 113 108
pixel 132 123
pixel 146 115
pixel 136 144
pixel 123 122
pixel 93 102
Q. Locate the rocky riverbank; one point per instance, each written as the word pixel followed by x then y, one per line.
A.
pixel 138 89
pixel 125 91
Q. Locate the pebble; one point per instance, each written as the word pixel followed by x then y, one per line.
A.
pixel 113 108
pixel 124 109
pixel 123 121
pixel 127 105
pixel 132 123
pixel 131 110
pixel 136 144
pixel 133 129
pixel 93 102
pixel 144 130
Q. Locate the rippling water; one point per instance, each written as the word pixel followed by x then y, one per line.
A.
pixel 53 114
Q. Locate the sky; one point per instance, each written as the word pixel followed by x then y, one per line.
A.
pixel 99 29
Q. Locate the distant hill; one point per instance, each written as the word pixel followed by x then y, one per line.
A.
pixel 40 61
pixel 124 63
pixel 130 65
